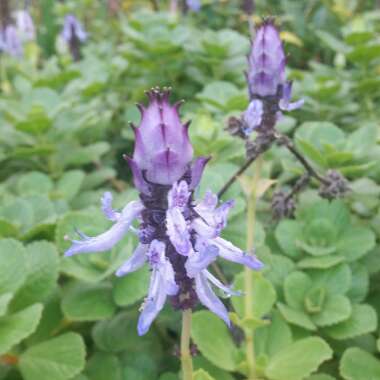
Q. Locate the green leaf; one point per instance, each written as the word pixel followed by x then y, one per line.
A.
pixel 336 280
pixel 129 289
pixel 69 184
pixel 7 229
pixel 360 283
pixel 5 299
pixel 356 242
pixel 296 317
pixel 115 334
pixel 42 273
pixel 200 362
pixel 213 339
pixel 202 375
pixel 60 358
pixel 311 152
pixel 264 295
pixel 337 308
pixel 36 121
pixel 85 155
pixel 104 366
pixel 273 338
pixel 296 285
pixel 298 360
pixel 16 327
pixel 357 364
pixel 19 213
pixel 322 262
pixel 12 265
pixel 88 302
pixel 363 320
pixel 287 233
pixel 34 183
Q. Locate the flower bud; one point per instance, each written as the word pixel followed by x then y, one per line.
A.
pixel 163 150
pixel 266 61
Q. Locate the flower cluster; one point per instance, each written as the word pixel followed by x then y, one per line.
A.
pixel 12 36
pixel 73 34
pixel 269 91
pixel 178 236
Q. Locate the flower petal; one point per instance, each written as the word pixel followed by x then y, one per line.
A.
pixel 177 230
pixel 153 304
pixel 208 298
pixel 167 273
pixel 107 209
pixel 285 104
pixel 204 255
pixel 108 239
pixel 229 252
pixel 226 289
pixel 135 262
pixel 179 195
pixel 197 171
pixel 253 115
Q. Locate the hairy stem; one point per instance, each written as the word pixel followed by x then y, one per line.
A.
pixel 239 172
pixel 285 141
pixel 248 280
pixel 186 360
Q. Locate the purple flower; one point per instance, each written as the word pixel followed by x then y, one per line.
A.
pixel 194 5
pixel 73 29
pixel 269 91
pixel 162 146
pixel 10 41
pixel 25 25
pixel 179 238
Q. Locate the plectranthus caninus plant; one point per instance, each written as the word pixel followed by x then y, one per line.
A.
pixel 25 25
pixel 269 96
pixel 73 33
pixel 178 236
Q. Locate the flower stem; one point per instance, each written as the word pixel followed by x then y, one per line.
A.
pixel 248 280
pixel 186 360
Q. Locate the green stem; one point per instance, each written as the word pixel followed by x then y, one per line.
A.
pixel 248 280
pixel 186 360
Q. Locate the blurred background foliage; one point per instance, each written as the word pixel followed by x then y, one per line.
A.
pixel 64 128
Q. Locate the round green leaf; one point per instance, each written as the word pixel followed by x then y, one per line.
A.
pixel 104 366
pixel 296 285
pixel 60 358
pixel 16 327
pixel 12 265
pixel 42 273
pixel 298 360
pixel 132 287
pixel 34 183
pixel 363 320
pixel 264 295
pixel 296 317
pixel 287 234
pixel 214 341
pixel 357 364
pixel 88 302
pixel 337 308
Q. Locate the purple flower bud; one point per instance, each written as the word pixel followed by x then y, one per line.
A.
pixel 73 29
pixel 194 5
pixel 266 61
pixel 25 25
pixel 269 91
pixel 10 41
pixel 162 149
